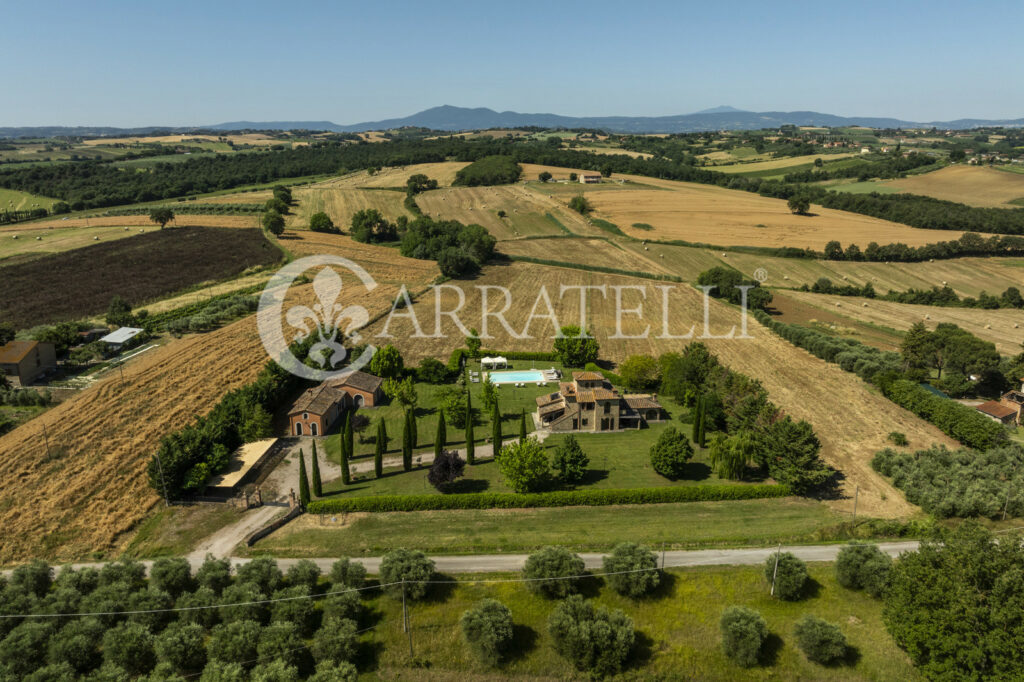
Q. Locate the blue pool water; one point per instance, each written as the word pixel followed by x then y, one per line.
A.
pixel 528 376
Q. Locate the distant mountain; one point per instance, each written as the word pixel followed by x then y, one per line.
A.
pixel 450 118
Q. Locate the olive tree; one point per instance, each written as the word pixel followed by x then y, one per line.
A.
pixel 821 641
pixel 590 637
pixel 632 570
pixel 862 566
pixel 553 572
pixel 787 573
pixel 405 571
pixel 487 630
pixel 743 633
pixel 130 646
pixel 182 645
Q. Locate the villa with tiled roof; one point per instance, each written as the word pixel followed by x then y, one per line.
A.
pixel 589 403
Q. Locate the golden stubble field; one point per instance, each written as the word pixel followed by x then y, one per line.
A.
pixel 91 492
pixel 851 420
pixel 713 215
pixel 139 221
pixel 996 326
pixel 341 203
pixel 774 164
pixel 971 185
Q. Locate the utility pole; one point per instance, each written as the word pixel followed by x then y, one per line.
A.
pixel 856 495
pixel 775 572
pixel 663 556
pixel 46 439
pixel 405 619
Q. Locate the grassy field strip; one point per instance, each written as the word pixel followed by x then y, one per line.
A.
pixel 780 165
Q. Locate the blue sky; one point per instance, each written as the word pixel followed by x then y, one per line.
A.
pixel 192 63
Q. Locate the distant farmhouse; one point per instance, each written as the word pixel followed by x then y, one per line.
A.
pixel 590 178
pixel 589 403
pixel 22 362
pixel 318 408
pixel 1008 409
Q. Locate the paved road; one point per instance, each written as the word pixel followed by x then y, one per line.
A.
pixel 504 563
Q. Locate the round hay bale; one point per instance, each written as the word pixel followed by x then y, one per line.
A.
pixel 95 239
pixel 39 239
pixel 14 237
pixel 988 326
pixel 785 277
pixel 865 305
pixel 838 304
pixel 927 317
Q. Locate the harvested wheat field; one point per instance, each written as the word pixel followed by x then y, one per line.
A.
pixel 396 176
pixel 143 222
pixel 851 420
pixel 996 326
pixel 257 197
pixel 15 241
pixel 775 164
pixel 86 498
pixel 242 138
pixel 971 185
pixel 713 215
pixel 341 203
pixel 526 212
pixel 589 252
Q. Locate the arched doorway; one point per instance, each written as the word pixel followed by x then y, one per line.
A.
pixel 298 429
pixel 312 429
pixel 358 401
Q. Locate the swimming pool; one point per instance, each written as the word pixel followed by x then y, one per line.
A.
pixel 527 376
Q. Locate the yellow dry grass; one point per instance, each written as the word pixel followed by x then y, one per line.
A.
pixel 851 420
pixel 972 185
pixel 996 326
pixel 584 251
pixel 615 150
pixel 341 203
pixel 143 221
pixel 777 164
pixel 713 215
pixel 87 497
pixel 54 239
pixel 397 176
pixel 257 197
pixel 524 209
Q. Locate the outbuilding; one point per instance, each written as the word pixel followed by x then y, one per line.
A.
pixel 22 362
pixel 116 339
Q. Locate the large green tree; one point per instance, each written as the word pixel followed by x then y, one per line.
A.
pixel 576 348
pixel 524 466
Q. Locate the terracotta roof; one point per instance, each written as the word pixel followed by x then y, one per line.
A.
pixel 317 400
pixel 548 398
pixel 587 376
pixel 994 409
pixel 585 396
pixel 605 394
pixel 642 401
pixel 548 409
pixel 359 380
pixel 1014 397
pixel 566 388
pixel 15 351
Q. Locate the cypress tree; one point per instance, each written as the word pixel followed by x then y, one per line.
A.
pixel 522 427
pixel 317 487
pixel 470 446
pixel 346 444
pixel 697 419
pixel 378 452
pixel 700 430
pixel 407 442
pixel 414 434
pixel 442 436
pixel 495 430
pixel 303 481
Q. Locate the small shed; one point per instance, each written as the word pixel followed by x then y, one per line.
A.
pixel 115 340
pixel 243 468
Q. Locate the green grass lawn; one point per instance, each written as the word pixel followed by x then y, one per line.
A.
pixel 677 630
pixel 13 200
pixel 175 531
pixel 676 525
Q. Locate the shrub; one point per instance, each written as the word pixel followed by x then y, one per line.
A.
pixel 633 570
pixel 574 347
pixel 432 371
pixel 821 641
pixel 261 571
pixel 274 671
pixel 670 453
pixel 581 204
pixel 331 671
pixel 224 671
pixel 182 645
pixel 789 578
pixel 640 372
pixel 348 573
pixel 77 644
pixel 487 630
pixel 241 602
pixel 447 466
pixel 321 222
pixel 295 610
pixel 387 362
pixel 591 638
pixel 553 572
pixel 305 573
pixel 524 465
pixel 24 648
pixel 200 607
pixel 172 575
pixel 406 568
pixel 862 566
pixel 570 461
pixel 234 642
pixel 280 642
pixel 743 634
pixel 129 646
pixel 335 640
pixel 343 605
pixel 34 577
pixel 557 498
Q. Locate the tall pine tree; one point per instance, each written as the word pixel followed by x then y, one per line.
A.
pixel 407 441
pixel 303 480
pixel 470 445
pixel 378 451
pixel 495 431
pixel 346 448
pixel 441 437
pixel 317 487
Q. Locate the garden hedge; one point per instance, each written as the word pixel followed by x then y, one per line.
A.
pixel 559 498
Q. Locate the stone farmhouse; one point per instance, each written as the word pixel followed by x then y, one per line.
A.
pixel 318 408
pixel 588 403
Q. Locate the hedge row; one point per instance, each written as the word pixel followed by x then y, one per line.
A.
pixel 964 423
pixel 558 498
pixel 597 268
pixel 191 209
pixel 518 354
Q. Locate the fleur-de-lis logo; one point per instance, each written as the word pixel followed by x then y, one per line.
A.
pixel 329 321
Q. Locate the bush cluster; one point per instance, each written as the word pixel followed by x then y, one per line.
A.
pixel 743 633
pixel 134 638
pixel 590 637
pixel 863 567
pixel 960 482
pixel 788 574
pixel 961 422
pixel 214 314
pixel 557 498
